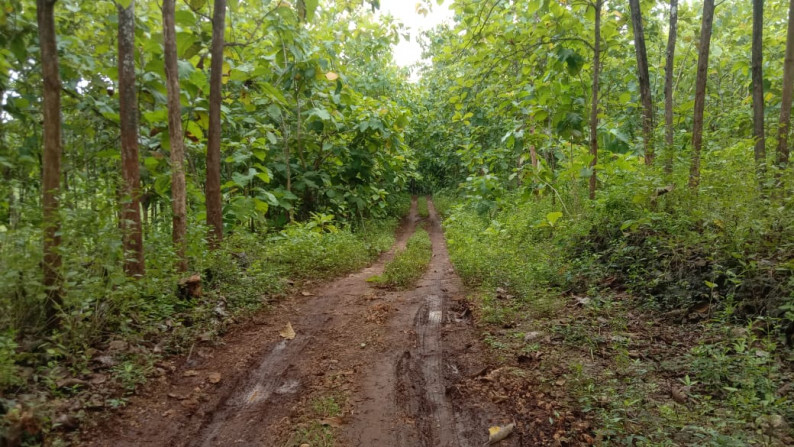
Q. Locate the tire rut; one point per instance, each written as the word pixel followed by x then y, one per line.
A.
pixel 406 391
pixel 392 358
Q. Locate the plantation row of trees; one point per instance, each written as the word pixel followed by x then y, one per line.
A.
pixel 673 119
pixel 555 74
pixel 129 120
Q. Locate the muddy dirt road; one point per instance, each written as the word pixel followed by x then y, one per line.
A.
pixel 389 363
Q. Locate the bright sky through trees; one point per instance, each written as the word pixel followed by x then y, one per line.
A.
pixel 408 52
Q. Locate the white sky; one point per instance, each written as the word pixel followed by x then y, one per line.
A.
pixel 409 52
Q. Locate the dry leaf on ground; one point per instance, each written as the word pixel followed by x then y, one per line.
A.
pixel 497 433
pixel 287 333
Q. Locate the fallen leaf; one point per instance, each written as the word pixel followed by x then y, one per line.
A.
pixel 118 345
pixel 678 395
pixel 306 293
pixel 69 382
pixel 214 377
pixel 97 379
pixel 529 336
pixel 190 373
pixel 287 332
pixel 582 300
pixel 496 433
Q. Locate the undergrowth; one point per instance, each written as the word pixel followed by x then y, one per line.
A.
pixel 408 265
pixel 118 328
pixel 668 325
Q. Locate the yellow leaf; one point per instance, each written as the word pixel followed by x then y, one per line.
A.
pixel 331 76
pixel 287 333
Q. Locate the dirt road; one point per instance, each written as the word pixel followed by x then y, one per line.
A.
pixel 367 367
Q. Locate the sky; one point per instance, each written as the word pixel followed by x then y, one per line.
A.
pixel 409 52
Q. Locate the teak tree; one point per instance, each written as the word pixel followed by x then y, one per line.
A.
pixel 213 185
pixel 668 87
pixel 594 104
pixel 51 160
pixel 784 125
pixel 757 60
pixel 644 79
pixel 700 91
pixel 128 116
pixel 175 136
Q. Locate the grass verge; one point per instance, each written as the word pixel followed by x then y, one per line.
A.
pixel 609 362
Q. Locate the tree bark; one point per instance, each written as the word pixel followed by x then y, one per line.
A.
pixel 594 106
pixel 175 135
pixel 128 118
pixel 786 97
pixel 700 91
pixel 213 186
pixel 51 164
pixel 644 79
pixel 668 86
pixel 758 89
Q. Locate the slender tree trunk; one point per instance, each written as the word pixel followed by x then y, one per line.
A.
pixel 786 97
pixel 668 86
pixel 51 164
pixel 213 187
pixel 594 105
pixel 700 91
pixel 128 113
pixel 533 153
pixel 758 89
pixel 175 135
pixel 644 79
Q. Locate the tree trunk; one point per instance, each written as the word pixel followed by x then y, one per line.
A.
pixel 644 79
pixel 668 86
pixel 594 105
pixel 51 164
pixel 758 89
pixel 213 186
pixel 700 91
pixel 786 97
pixel 128 117
pixel 175 135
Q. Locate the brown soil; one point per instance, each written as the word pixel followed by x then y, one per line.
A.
pixel 400 366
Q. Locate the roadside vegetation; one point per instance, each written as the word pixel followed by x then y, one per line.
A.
pixel 170 167
pixel 408 265
pixel 619 199
pixel 650 352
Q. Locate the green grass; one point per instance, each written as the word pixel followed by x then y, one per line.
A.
pixel 421 207
pixel 317 431
pixel 408 265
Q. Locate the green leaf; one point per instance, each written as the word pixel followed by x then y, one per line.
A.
pixel 553 217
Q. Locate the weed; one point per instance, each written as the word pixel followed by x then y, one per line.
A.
pixel 408 265
pixel 326 407
pixel 421 207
